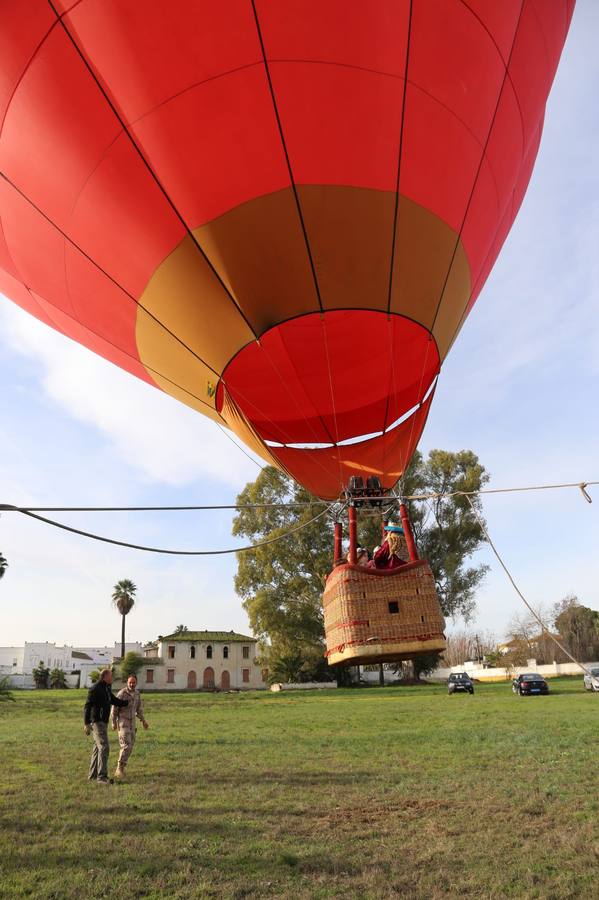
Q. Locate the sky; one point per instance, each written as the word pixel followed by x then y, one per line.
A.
pixel 519 388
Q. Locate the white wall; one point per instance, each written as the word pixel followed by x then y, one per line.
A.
pixel 105 655
pixel 8 655
pixel 52 656
pixel 500 674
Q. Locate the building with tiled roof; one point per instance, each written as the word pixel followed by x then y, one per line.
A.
pixel 227 636
pixel 201 660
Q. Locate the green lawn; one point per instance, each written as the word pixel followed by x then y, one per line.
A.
pixel 354 793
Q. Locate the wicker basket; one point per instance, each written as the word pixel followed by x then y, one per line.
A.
pixel 381 615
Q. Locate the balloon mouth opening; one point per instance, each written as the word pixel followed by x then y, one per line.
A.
pixel 357 439
pixel 332 379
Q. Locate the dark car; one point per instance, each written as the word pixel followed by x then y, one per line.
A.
pixel 459 681
pixel 530 683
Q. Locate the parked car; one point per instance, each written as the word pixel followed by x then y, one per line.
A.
pixel 459 681
pixel 591 682
pixel 530 683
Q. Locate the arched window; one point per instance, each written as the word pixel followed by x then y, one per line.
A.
pixel 192 653
pixel 225 652
pixel 209 651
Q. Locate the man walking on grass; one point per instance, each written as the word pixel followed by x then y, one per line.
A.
pixel 96 714
pixel 124 720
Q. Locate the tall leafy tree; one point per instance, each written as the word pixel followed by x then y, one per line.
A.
pixel 578 625
pixel 181 629
pixel 446 530
pixel 3 565
pixel 131 663
pixel 123 597
pixel 281 583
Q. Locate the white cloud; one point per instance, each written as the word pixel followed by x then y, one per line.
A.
pixel 150 431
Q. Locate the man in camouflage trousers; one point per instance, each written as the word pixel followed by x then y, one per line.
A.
pixel 123 718
pixel 96 714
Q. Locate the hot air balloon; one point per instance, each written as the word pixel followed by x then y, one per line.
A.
pixel 279 212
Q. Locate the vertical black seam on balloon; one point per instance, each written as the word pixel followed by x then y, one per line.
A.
pixel 478 171
pixel 484 26
pixel 399 159
pixel 286 154
pixel 419 394
pixel 429 401
pixel 396 208
pixel 537 132
pixel 151 171
pixel 337 452
pixel 111 279
pixel 290 171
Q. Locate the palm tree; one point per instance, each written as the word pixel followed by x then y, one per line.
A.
pixel 123 597
pixel 58 679
pixel 3 565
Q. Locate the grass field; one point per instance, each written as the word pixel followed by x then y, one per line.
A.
pixel 377 792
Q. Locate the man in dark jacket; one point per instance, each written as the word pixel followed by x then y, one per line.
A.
pixel 96 714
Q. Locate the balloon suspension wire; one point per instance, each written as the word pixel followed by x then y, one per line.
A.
pixel 532 611
pixel 326 347
pixel 239 447
pixel 406 460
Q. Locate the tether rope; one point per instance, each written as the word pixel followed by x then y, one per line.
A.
pixel 106 540
pixel 329 506
pixel 534 614
pixel 581 485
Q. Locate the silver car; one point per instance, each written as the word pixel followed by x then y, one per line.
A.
pixel 591 682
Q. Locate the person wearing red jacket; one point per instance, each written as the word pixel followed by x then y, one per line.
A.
pixel 387 556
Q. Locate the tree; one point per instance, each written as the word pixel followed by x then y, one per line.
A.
pixel 3 565
pixel 579 627
pixel 123 597
pixel 446 530
pixel 425 663
pixel 181 629
pixel 95 674
pixel 41 674
pixel 131 664
pixel 5 693
pixel 466 645
pixel 531 636
pixel 58 679
pixel 281 583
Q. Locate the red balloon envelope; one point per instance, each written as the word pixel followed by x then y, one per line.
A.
pixel 278 212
